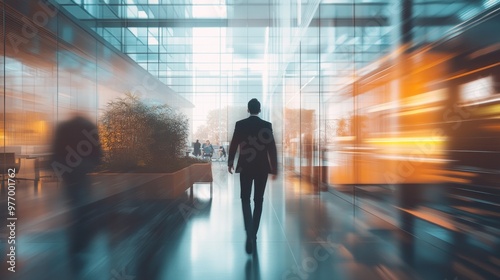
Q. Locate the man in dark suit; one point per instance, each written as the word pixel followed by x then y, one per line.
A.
pixel 257 158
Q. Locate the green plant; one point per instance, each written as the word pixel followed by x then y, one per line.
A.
pixel 139 137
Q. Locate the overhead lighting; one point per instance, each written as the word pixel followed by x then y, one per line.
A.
pixel 490 3
pixel 469 13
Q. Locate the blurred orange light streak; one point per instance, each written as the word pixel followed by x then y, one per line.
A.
pixel 472 72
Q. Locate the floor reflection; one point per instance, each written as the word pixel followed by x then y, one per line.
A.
pixel 304 234
pixel 252 267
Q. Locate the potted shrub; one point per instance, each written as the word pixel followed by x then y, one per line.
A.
pixel 149 140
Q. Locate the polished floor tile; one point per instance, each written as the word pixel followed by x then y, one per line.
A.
pixel 304 234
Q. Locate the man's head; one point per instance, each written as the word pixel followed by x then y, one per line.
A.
pixel 254 106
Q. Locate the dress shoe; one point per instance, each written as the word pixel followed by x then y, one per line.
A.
pixel 254 245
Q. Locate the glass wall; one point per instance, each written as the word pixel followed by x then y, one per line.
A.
pixel 371 111
pixel 376 102
pixel 53 68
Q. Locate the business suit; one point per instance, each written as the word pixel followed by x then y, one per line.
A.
pixel 257 158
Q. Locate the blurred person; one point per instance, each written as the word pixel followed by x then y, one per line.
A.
pixel 208 150
pixel 222 153
pixel 197 148
pixel 257 159
pixel 76 152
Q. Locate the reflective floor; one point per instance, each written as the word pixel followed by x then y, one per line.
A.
pixel 304 234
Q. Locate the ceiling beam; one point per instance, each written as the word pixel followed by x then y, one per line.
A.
pixel 324 22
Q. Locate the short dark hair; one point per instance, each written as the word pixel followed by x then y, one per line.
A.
pixel 254 106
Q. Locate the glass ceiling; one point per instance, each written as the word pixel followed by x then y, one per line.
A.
pixel 207 47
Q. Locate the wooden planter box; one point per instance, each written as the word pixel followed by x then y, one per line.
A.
pixel 153 186
pixel 201 173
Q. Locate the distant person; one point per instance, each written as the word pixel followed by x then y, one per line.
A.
pixel 197 148
pixel 208 150
pixel 76 152
pixel 257 158
pixel 222 153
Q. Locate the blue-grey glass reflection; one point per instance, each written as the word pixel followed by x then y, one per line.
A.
pixel 386 117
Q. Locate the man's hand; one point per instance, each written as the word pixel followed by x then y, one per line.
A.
pixel 230 169
pixel 274 174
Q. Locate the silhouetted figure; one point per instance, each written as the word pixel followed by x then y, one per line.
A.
pixel 208 150
pixel 257 158
pixel 77 151
pixel 222 153
pixel 197 148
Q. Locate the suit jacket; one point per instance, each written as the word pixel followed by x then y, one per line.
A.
pixel 255 139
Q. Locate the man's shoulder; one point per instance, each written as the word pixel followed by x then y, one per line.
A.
pixel 243 122
pixel 264 123
pixel 252 119
pixel 267 123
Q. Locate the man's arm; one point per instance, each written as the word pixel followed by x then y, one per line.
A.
pixel 273 154
pixel 232 148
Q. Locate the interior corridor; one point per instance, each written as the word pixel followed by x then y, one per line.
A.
pixel 304 234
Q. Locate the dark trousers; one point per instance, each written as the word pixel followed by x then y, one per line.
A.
pixel 259 180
